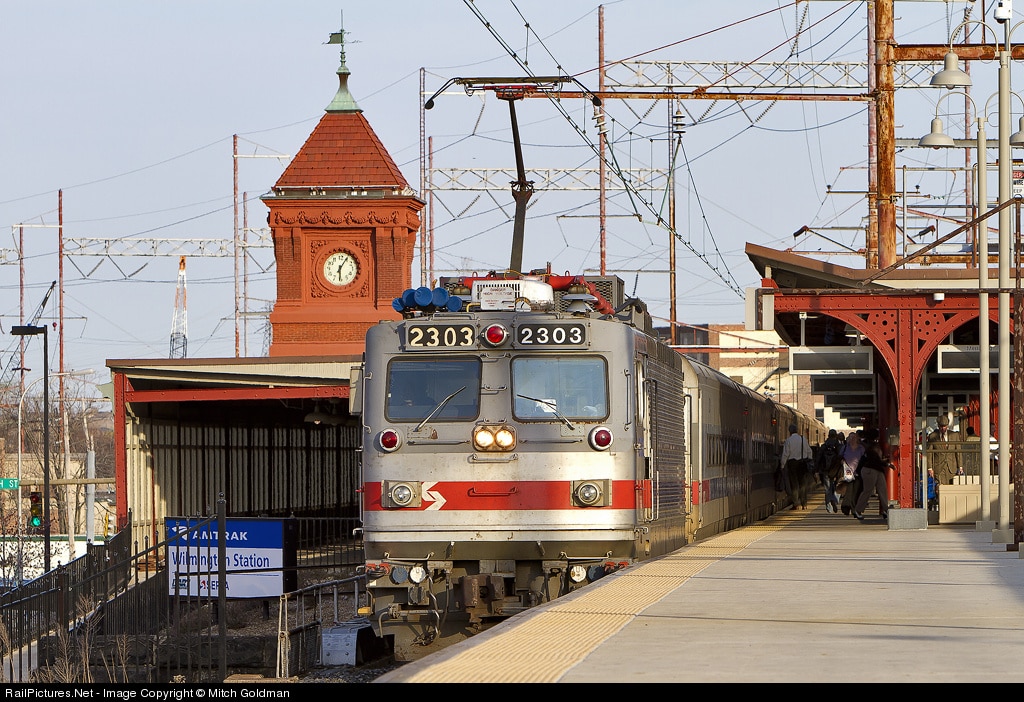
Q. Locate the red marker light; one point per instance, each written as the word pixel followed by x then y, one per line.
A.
pixel 600 438
pixel 389 440
pixel 495 335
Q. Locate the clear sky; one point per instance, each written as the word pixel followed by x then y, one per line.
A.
pixel 129 108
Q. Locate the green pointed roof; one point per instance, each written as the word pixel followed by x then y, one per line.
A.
pixel 342 157
pixel 343 100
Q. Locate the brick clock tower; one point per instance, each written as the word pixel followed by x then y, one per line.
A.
pixel 344 223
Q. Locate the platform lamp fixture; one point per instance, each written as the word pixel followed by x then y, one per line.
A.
pixel 30 330
pixel 952 77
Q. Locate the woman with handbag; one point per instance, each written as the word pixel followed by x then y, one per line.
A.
pixel 847 482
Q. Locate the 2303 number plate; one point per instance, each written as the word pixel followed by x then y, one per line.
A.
pixel 551 334
pixel 441 336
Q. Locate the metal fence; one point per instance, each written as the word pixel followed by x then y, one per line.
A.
pixel 306 614
pixel 111 616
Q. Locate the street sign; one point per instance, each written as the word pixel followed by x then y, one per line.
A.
pixel 9 483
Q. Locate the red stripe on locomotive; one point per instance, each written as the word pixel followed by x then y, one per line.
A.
pixel 499 495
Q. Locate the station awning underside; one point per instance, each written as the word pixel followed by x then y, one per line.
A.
pixel 822 295
pixel 232 379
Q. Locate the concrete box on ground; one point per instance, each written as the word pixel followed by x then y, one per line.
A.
pixel 911 518
pixel 961 504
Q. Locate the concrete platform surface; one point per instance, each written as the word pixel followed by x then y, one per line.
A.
pixel 804 596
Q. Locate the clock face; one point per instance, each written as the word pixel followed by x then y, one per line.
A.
pixel 340 268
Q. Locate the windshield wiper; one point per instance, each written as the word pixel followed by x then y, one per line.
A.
pixel 553 409
pixel 439 407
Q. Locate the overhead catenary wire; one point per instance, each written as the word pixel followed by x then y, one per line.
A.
pixel 611 161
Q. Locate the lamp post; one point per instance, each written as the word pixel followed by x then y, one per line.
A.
pixel 952 77
pixel 986 522
pixel 30 330
pixel 1004 534
pixel 21 402
pixel 21 556
pixel 936 139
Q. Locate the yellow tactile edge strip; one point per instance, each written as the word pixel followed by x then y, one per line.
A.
pixel 534 650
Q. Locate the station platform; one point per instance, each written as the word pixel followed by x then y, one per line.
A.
pixel 804 596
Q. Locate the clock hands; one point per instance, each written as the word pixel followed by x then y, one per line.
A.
pixel 345 272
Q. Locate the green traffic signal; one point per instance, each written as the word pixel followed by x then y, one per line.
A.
pixel 35 518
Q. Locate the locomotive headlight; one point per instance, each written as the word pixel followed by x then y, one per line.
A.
pixel 389 440
pixel 494 438
pixel 483 438
pixel 578 573
pixel 401 493
pixel 600 438
pixel 495 335
pixel 588 493
pixel 417 574
pixel 505 438
pixel 591 493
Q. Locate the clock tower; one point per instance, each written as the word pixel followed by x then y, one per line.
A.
pixel 344 223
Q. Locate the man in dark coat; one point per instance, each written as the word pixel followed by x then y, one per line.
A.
pixel 944 452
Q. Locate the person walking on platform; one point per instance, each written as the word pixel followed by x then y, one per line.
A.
pixel 848 483
pixel 873 468
pixel 827 469
pixel 796 461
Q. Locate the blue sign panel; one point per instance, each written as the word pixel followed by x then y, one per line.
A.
pixel 254 557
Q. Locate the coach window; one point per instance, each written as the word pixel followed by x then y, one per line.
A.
pixel 417 387
pixel 575 387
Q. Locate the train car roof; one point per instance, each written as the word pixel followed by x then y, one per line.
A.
pixel 707 371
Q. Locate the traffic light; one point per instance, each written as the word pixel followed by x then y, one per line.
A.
pixel 35 510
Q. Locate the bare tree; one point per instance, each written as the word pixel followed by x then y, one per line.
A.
pixel 81 433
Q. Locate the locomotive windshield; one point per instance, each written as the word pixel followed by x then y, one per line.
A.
pixel 551 387
pixel 416 388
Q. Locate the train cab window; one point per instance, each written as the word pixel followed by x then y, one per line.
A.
pixel 448 388
pixel 550 387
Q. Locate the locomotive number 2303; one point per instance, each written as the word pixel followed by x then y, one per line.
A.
pixel 440 336
pixel 550 334
pixel 433 336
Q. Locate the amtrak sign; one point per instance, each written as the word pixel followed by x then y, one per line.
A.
pixel 258 554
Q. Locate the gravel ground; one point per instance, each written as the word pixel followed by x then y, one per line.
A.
pixel 250 619
pixel 366 673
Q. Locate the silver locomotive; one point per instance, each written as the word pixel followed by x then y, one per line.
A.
pixel 526 436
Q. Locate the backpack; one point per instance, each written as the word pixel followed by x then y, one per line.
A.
pixel 829 452
pixel 873 459
pixel 831 449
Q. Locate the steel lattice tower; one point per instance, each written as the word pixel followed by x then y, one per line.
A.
pixel 179 322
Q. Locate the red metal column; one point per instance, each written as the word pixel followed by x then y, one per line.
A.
pixel 907 378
